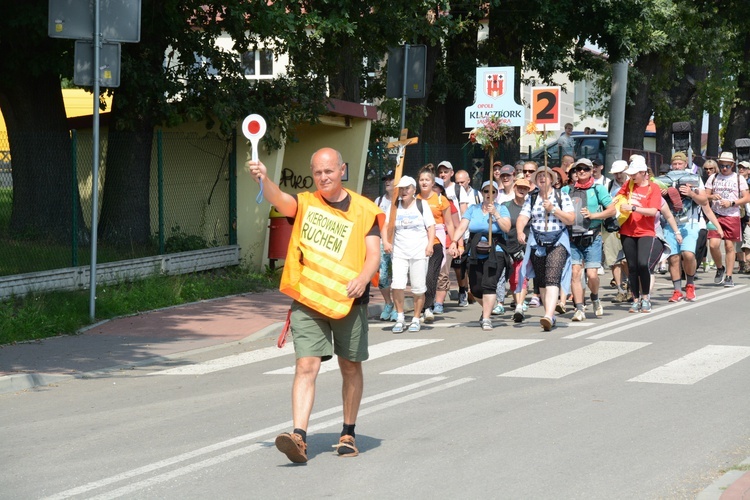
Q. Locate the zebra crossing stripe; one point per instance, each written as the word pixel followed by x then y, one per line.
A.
pixel 376 351
pixel 233 361
pixel 574 361
pixel 695 366
pixel 461 357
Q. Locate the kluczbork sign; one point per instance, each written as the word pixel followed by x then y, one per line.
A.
pixel 495 97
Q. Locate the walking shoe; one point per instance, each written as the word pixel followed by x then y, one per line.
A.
pixel 428 316
pixel 720 275
pixel 690 292
pixel 437 308
pixel 677 296
pixel 486 324
pixel 728 283
pixel 598 308
pixel 620 297
pixel 645 306
pixel 498 310
pixel 518 315
pixel 534 302
pixel 560 308
pixel 292 446
pixel 394 315
pixel 663 268
pixel 547 323
pixel 612 283
pixel 346 447
pixel 415 326
pixel 579 315
pixel 398 327
pixel 386 314
pixel 463 299
pixel 635 307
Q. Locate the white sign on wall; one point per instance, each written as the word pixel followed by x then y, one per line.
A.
pixel 495 97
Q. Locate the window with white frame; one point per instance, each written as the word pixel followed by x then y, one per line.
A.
pixel 258 63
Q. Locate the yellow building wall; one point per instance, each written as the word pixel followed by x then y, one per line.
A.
pixel 290 169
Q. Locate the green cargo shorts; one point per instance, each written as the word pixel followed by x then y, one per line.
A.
pixel 317 335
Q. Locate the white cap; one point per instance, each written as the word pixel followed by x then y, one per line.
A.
pixel 487 183
pixel 439 181
pixel 446 164
pixel 406 181
pixel 636 166
pixel 618 166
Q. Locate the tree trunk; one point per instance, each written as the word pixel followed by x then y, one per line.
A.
pixel 343 81
pixel 739 117
pixel 126 211
pixel 640 107
pixel 43 197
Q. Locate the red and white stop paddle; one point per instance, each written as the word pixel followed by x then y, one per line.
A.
pixel 253 128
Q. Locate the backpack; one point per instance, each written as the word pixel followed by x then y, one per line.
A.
pixel 580 199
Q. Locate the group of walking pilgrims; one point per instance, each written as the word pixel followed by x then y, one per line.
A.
pixel 543 235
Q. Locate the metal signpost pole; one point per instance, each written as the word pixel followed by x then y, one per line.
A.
pixel 95 165
pixel 405 87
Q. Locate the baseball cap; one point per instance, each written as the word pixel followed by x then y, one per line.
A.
pixel 583 162
pixel 487 183
pixel 389 176
pixel 445 164
pixel 522 183
pixel 618 166
pixel 679 156
pixel 508 169
pixel 745 164
pixel 406 181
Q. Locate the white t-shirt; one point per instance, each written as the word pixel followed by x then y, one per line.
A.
pixel 726 187
pixel 410 239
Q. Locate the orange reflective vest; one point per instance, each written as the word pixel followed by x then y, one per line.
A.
pixel 326 251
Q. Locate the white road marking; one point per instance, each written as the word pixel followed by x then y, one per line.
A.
pixel 376 351
pixel 229 455
pixel 215 365
pixel 574 361
pixel 461 357
pixel 636 320
pixel 695 366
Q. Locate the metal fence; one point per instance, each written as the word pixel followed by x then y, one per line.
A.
pixel 188 206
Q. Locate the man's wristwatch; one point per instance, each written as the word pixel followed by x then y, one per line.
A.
pixel 732 203
pixel 552 212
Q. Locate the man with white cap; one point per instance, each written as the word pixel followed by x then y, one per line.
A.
pixel 452 189
pixel 726 191
pixel 613 256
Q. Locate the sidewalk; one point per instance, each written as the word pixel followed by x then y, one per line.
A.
pixel 148 338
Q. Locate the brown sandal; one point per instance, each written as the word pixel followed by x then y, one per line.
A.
pixel 346 447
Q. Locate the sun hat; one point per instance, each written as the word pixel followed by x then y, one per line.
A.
pixel 618 166
pixel 726 156
pixel 636 166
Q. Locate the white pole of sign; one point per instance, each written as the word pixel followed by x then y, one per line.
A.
pixel 254 128
pixel 95 166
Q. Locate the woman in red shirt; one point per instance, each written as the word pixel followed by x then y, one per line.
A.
pixel 638 232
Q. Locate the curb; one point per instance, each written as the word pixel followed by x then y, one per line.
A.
pixel 733 484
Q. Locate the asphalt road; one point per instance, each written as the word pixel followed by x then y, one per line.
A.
pixel 626 406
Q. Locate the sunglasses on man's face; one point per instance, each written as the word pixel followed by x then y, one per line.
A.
pixel 528 171
pixel 582 169
pixel 726 166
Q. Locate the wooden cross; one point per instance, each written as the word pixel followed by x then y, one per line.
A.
pixel 401 144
